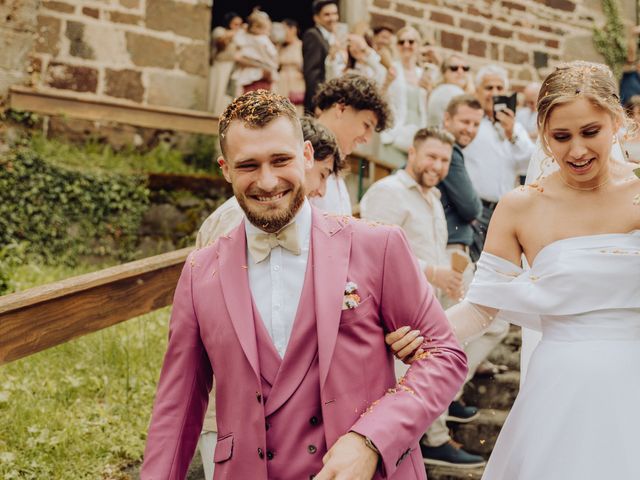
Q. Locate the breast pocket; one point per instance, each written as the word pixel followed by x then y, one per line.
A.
pixel 364 310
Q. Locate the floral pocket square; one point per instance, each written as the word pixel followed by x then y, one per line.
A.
pixel 351 298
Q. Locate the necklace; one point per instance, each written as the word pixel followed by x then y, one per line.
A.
pixel 584 189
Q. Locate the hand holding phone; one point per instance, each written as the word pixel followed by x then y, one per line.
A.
pixel 502 102
pixel 504 112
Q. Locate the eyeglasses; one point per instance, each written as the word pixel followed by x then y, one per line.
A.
pixel 455 68
pixel 410 41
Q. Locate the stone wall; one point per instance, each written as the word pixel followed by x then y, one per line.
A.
pixel 17 35
pixel 148 51
pixel 526 36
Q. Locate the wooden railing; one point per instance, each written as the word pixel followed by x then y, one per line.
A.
pixel 92 107
pixel 46 316
pixel 49 315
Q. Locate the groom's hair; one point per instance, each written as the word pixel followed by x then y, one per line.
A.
pixel 257 109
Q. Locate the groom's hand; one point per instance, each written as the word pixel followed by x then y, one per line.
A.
pixel 349 459
pixel 405 344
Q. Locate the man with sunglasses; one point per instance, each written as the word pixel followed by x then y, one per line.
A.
pixel 455 74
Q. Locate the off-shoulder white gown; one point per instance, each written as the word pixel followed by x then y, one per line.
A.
pixel 577 415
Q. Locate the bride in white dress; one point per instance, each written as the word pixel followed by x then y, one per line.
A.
pixel 579 230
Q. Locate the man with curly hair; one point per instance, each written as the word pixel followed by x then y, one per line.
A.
pixel 352 107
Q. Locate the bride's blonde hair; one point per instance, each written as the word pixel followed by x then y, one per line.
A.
pixel 593 81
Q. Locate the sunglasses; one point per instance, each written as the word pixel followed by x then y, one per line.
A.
pixel 410 41
pixel 455 68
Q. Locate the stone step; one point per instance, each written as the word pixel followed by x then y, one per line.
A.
pixel 438 472
pixel 498 392
pixel 479 436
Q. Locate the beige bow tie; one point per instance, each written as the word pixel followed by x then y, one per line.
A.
pixel 261 244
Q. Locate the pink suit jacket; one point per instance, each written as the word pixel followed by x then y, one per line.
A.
pixel 212 331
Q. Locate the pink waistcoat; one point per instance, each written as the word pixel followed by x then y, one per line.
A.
pixel 295 433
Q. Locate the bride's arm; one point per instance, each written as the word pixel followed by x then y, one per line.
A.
pixel 469 320
pixel 502 236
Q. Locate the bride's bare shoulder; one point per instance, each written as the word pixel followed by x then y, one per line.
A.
pixel 525 196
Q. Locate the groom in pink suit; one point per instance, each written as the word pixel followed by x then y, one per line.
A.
pixel 289 312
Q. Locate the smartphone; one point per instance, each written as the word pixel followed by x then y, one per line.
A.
pixel 501 102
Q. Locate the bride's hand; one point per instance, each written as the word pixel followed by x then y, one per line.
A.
pixel 405 343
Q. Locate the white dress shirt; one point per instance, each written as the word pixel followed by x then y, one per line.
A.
pixel 494 162
pixel 399 200
pixel 276 282
pixel 529 120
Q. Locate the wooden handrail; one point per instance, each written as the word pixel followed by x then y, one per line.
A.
pixel 45 316
pixel 92 107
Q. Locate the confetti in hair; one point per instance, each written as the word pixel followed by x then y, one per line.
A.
pixel 256 109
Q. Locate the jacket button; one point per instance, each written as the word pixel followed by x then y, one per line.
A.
pixel 267 425
pixel 312 449
pixel 313 421
pixel 258 397
pixel 269 455
pixel 260 453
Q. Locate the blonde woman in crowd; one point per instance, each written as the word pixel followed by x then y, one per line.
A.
pixel 407 95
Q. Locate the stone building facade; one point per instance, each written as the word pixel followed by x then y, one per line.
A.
pixel 156 52
pixel 147 51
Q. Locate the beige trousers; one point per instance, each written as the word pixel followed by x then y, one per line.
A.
pixel 477 351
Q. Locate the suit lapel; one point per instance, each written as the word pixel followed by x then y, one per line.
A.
pixel 234 279
pixel 325 44
pixel 332 248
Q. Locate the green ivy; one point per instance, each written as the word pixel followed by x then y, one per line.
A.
pixel 61 214
pixel 610 40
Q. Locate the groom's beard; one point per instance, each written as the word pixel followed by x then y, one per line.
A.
pixel 271 219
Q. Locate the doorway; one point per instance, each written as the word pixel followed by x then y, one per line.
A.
pixel 278 10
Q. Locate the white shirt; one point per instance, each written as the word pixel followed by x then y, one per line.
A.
pixel 493 162
pixel 439 101
pixel 329 37
pixel 399 200
pixel 336 199
pixel 528 119
pixel 223 219
pixel 276 282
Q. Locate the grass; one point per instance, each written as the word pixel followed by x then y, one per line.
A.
pixel 95 156
pixel 80 410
